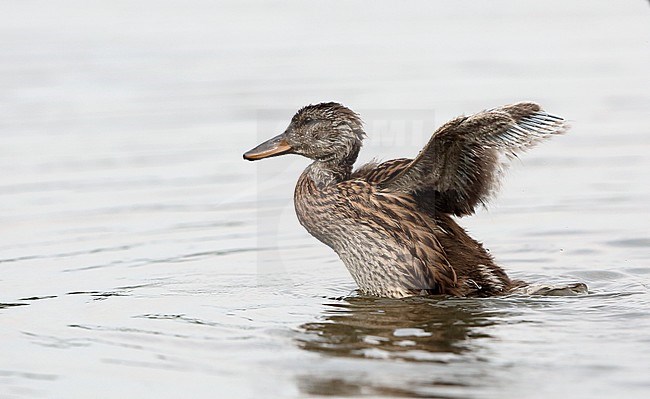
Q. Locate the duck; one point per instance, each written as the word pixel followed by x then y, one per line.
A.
pixel 393 223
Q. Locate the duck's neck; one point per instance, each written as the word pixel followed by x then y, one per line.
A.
pixel 324 173
pixel 327 172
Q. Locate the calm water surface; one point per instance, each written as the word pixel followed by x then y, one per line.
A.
pixel 141 257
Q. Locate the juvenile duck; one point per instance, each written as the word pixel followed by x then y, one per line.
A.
pixel 391 223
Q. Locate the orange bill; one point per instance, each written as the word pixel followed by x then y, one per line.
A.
pixel 270 148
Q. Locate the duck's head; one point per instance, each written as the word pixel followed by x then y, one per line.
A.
pixel 322 132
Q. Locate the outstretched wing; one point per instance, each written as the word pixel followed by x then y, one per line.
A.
pixel 459 167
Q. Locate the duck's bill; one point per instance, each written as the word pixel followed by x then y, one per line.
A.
pixel 270 148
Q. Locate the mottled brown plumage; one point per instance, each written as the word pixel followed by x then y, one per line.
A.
pixel 390 223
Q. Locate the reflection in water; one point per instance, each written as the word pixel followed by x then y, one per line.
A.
pixel 424 330
pixel 412 329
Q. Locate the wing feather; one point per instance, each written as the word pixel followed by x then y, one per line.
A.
pixel 461 164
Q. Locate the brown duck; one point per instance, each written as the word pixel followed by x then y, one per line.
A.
pixel 391 223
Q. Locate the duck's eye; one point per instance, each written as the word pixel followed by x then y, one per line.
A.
pixel 309 121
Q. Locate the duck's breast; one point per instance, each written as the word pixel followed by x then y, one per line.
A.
pixel 371 243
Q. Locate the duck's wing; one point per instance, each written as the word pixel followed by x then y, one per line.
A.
pixel 459 167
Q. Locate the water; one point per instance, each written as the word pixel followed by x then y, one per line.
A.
pixel 140 256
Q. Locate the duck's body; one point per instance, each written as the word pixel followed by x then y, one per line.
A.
pixel 389 243
pixel 390 223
